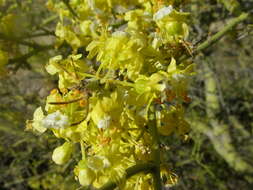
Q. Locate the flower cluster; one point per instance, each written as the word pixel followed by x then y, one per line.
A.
pixel 125 73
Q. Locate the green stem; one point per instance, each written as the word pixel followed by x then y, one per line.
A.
pixel 222 33
pixel 48 20
pixel 19 41
pixel 147 167
pixel 82 149
pixel 123 83
pixel 30 54
pixel 155 150
pixel 44 23
pixel 23 58
pixel 66 2
pixel 209 42
pixel 38 35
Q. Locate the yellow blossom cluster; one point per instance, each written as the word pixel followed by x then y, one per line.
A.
pixel 123 71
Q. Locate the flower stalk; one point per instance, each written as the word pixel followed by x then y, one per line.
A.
pixel 216 37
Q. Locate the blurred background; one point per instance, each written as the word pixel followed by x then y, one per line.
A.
pixel 219 152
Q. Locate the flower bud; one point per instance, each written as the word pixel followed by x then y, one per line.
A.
pixel 86 176
pixel 62 153
pixel 163 12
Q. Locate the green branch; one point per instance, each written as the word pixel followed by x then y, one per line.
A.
pixel 38 35
pixel 209 42
pixel 222 33
pixel 155 149
pixel 148 167
pixel 44 24
pixel 23 58
pixel 66 2
pixel 19 41
pixel 48 20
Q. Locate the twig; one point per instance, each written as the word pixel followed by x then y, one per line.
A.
pixel 22 59
pixel 66 2
pixel 209 42
pixel 44 23
pixel 38 35
pixel 148 167
pixel 82 149
pixel 19 41
pixel 48 20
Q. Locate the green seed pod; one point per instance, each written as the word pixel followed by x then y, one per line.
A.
pixel 62 153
